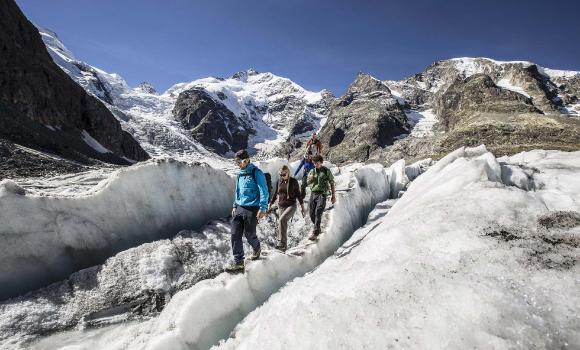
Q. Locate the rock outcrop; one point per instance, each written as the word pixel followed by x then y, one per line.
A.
pixel 464 99
pixel 475 111
pixel 210 122
pixel 365 119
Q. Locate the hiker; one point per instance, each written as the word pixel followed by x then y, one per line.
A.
pixel 314 146
pixel 320 179
pixel 306 162
pixel 287 191
pixel 250 205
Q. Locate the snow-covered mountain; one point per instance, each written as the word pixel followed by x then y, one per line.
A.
pixel 271 114
pixel 456 102
pixel 555 91
pixel 260 109
pixel 144 115
pixel 268 107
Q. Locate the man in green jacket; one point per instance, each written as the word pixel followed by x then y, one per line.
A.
pixel 321 180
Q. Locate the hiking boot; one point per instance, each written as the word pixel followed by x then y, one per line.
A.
pixel 235 268
pixel 281 247
pixel 256 254
pixel 313 237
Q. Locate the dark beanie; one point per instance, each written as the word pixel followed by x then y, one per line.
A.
pixel 242 154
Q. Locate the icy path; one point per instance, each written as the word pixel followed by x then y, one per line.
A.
pixel 202 315
pixel 480 253
pixel 226 300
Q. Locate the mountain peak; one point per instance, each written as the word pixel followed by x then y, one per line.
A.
pixel 146 88
pixel 365 83
pixel 243 75
pixel 51 39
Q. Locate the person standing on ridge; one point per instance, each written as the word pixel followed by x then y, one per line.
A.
pixel 287 191
pixel 320 179
pixel 306 162
pixel 250 205
pixel 314 146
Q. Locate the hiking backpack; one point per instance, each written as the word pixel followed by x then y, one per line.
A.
pixel 268 184
pixel 268 181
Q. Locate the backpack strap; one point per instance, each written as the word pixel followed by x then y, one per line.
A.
pixel 254 175
pixel 294 184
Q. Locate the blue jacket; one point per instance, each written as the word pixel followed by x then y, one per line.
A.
pixel 250 192
pixel 307 164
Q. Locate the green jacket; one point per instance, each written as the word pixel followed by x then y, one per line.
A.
pixel 320 180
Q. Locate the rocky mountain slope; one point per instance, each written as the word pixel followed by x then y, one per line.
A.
pixel 367 118
pixel 509 106
pixel 43 109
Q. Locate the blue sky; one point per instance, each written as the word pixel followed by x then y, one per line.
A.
pixel 317 43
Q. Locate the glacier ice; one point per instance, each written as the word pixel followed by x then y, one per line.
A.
pixel 469 256
pixel 460 261
pixel 46 238
pixel 226 299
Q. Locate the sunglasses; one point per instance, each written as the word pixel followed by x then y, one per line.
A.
pixel 283 174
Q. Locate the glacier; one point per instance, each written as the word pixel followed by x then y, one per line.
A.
pixel 462 260
pixel 468 251
pixel 47 237
pixel 360 187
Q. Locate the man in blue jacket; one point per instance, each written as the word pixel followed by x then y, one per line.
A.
pixel 250 205
pixel 308 165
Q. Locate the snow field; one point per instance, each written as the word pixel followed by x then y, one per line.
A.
pixel 422 122
pixel 506 84
pixel 46 238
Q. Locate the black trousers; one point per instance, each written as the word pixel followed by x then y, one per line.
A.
pixel 316 207
pixel 244 224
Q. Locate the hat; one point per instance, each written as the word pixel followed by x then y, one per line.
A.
pixel 242 154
